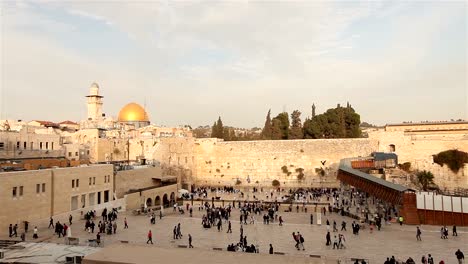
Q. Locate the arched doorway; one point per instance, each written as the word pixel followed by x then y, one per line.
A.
pixel 149 202
pixel 157 200
pixel 172 197
pixel 165 200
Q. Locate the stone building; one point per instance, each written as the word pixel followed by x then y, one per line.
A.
pixel 36 195
pixel 30 143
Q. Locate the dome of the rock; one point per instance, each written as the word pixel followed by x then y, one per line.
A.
pixel 133 114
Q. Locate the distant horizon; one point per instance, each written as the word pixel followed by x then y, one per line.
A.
pixel 192 62
pixel 260 126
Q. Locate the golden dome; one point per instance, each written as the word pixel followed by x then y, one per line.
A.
pixel 133 112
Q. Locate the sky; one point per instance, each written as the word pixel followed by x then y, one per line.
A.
pixel 192 61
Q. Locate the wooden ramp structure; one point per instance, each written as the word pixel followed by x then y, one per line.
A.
pixel 390 192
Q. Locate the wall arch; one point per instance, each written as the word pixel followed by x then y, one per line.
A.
pixel 149 202
pixel 165 200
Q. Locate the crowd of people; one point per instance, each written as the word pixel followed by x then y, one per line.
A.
pixel 373 212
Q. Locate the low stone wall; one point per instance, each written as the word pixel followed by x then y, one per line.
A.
pixel 135 179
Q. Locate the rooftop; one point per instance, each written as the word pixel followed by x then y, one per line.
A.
pixel 44 253
pixel 428 123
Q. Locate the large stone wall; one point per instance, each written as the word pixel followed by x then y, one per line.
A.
pixel 261 162
pixel 215 162
pixel 418 148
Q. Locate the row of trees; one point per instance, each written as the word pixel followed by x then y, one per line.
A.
pixel 218 130
pixel 339 122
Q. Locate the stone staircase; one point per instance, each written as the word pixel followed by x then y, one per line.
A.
pixel 7 243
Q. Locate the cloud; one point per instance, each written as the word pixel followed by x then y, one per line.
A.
pixel 89 15
pixel 216 57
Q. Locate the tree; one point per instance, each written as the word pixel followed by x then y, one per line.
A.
pixel 214 130
pixel 220 128
pixel 425 178
pixel 313 128
pixel 267 128
pixel 229 134
pixel 283 123
pixel 217 131
pixel 296 126
pixel 453 158
pixel 275 129
pixel 339 122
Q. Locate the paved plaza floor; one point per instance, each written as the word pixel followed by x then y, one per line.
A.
pixel 393 239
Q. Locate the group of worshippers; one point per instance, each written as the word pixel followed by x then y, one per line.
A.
pixel 215 215
pixel 242 248
pixel 61 229
pixel 177 233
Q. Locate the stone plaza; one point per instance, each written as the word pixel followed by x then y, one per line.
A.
pixel 375 247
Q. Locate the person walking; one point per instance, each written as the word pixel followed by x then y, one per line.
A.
pixel 51 223
pixel 179 232
pixel 296 240
pixel 229 227
pixel 280 221
pixel 460 256
pixel 70 218
pixel 125 223
pixel 335 243
pixel 301 241
pixel 15 230
pixel 418 233
pixel 311 219
pixel 150 237
pixel 10 230
pixel 190 241
pixel 430 260
pixel 271 249
pixel 454 231
pixel 35 233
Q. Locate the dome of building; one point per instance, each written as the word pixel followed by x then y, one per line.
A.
pixel 133 112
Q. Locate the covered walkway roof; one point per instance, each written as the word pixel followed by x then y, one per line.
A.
pixel 377 187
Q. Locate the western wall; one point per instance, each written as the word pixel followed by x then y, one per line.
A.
pixel 258 163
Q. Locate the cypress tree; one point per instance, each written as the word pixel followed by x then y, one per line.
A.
pixel 267 129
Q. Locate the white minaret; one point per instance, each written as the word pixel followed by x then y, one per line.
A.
pixel 94 103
